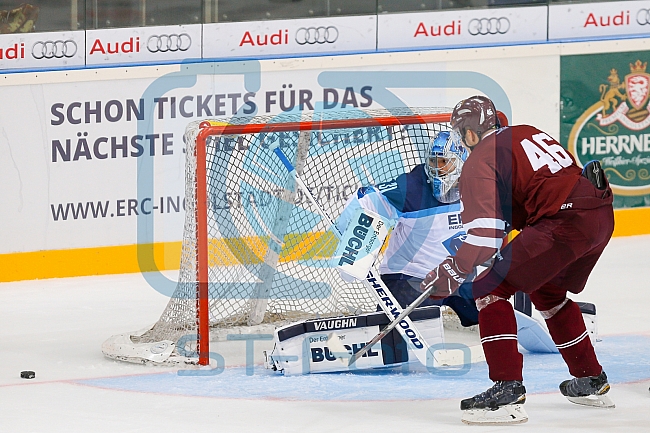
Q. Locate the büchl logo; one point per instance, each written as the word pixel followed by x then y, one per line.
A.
pixel 317 35
pixel 54 49
pixel 643 17
pixel 169 43
pixel 489 26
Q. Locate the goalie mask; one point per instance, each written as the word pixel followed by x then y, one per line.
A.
pixel 445 158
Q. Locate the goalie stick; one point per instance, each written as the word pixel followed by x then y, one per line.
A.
pixel 384 332
pixel 374 284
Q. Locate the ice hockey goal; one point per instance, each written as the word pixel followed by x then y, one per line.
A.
pixel 255 251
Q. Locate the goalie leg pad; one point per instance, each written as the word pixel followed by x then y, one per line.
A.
pixel 532 336
pixel 590 318
pixel 306 346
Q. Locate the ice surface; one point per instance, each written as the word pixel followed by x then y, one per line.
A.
pixel 55 327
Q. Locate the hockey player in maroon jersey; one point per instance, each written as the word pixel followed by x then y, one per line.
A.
pixel 519 177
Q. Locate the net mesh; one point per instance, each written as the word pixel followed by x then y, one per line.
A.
pixel 269 248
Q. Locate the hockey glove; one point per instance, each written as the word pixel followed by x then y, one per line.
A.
pixel 443 280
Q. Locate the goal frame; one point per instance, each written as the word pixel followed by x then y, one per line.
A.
pixel 208 129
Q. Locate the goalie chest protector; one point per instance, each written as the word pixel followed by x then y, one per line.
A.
pixel 301 347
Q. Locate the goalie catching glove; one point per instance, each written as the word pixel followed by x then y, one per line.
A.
pixel 443 280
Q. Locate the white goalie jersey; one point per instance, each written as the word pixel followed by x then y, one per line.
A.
pixel 425 230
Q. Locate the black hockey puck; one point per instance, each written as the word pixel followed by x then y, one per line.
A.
pixel 27 374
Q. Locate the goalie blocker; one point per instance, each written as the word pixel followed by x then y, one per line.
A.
pixel 303 347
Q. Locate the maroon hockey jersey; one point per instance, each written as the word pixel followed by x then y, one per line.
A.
pixel 515 175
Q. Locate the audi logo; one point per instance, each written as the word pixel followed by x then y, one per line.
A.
pixel 643 17
pixel 489 26
pixel 317 35
pixel 169 43
pixel 54 49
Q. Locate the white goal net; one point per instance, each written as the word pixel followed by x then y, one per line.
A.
pixel 255 251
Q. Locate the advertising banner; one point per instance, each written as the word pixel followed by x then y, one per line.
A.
pixel 95 159
pixel 257 39
pixel 574 21
pixel 604 115
pixel 105 164
pixel 42 50
pixel 461 28
pixel 143 44
pixel 108 152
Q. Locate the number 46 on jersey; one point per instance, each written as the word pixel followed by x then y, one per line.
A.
pixel 546 152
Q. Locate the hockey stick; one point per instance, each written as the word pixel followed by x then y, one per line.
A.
pixel 375 285
pixel 384 332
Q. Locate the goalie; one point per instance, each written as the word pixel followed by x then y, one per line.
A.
pixel 425 203
pixel 424 207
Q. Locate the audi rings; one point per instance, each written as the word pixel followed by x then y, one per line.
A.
pixel 317 35
pixel 489 26
pixel 169 43
pixel 54 49
pixel 643 17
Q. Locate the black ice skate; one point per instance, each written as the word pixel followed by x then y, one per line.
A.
pixel 501 404
pixel 588 391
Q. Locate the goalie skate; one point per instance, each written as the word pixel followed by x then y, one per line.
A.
pixel 501 404
pixel 588 391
